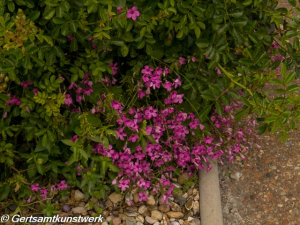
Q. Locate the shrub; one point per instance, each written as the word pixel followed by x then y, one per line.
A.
pixel 121 94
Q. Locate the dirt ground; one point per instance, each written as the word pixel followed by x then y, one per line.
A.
pixel 264 189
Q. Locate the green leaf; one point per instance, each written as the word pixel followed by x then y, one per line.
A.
pixel 73 26
pixel 246 61
pixel 290 78
pixel 204 113
pixel 292 88
pixel 94 120
pixel 74 45
pixel 58 20
pixel 219 107
pixel 116 41
pixel 4 97
pixel 292 3
pixel 44 140
pixel 124 50
pixel 240 114
pixel 49 13
pixel 4 192
pixel 11 6
pixel 197 32
pixel 83 153
pixel 48 39
pixel 67 142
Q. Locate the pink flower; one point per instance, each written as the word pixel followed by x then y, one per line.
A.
pixel 88 91
pixel 123 184
pixel 70 37
pixel 29 199
pixel 119 8
pixel 194 59
pixel 68 100
pixel 74 138
pixel 62 185
pixel 35 187
pixel 25 84
pixel 133 13
pixel 181 60
pixel 141 94
pixel 218 71
pixel 168 85
pixel 208 140
pixel 35 91
pixel 4 114
pixel 91 39
pixel 133 138
pixel 143 197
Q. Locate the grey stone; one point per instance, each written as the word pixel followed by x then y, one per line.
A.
pixel 150 220
pixel 130 221
pixel 78 195
pixel 181 200
pixel 79 210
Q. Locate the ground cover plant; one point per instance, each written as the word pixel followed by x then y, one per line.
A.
pixel 110 95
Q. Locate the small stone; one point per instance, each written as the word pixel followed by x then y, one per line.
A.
pixel 66 208
pixel 177 185
pixel 104 223
pixel 132 213
pixel 183 178
pixel 190 218
pixel 157 215
pixel 197 197
pixel 176 215
pixel 174 223
pixel 195 191
pixel 12 207
pixel 181 221
pixel 78 195
pixel 140 218
pixel 138 223
pixel 109 203
pixel 280 205
pixel 116 221
pixel 175 207
pixel 189 205
pixel 156 223
pixel 164 208
pixel 185 195
pixel 150 220
pixel 142 209
pixel 136 197
pixel 196 208
pixel 79 210
pixel 195 222
pixel 109 218
pixel 115 197
pixel 150 201
pixel 190 192
pixel 236 176
pixel 131 221
pixel 181 200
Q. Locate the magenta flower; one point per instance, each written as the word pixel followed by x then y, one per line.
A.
pixel 35 187
pixel 25 84
pixel 74 138
pixel 133 138
pixel 194 59
pixel 218 71
pixel 133 13
pixel 181 60
pixel 62 185
pixel 123 184
pixel 119 8
pixel 68 100
pixel 88 91
pixel 143 197
pixel 70 37
pixel 91 39
pixel 208 140
pixel 35 91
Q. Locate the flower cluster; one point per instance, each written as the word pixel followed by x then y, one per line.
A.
pixel 141 156
pixel 44 191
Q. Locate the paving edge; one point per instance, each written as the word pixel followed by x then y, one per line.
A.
pixel 210 196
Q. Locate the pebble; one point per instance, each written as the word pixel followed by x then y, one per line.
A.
pixel 131 221
pixel 116 221
pixel 132 213
pixel 79 210
pixel 140 218
pixel 196 208
pixel 150 220
pixel 164 208
pixel 157 215
pixel 115 197
pixel 236 176
pixel 142 209
pixel 138 223
pixel 195 222
pixel 181 200
pixel 189 205
pixel 174 223
pixel 78 195
pixel 176 215
pixel 151 201
pixel 175 207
